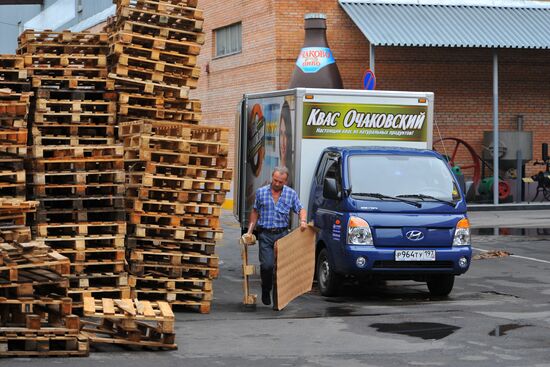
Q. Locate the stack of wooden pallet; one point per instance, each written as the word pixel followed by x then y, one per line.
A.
pixel 177 181
pixel 78 168
pixel 14 108
pixel 35 313
pixel 154 48
pixel 129 322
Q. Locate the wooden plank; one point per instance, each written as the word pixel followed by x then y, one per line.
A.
pixel 126 305
pixel 294 265
pixel 165 310
pixel 148 309
pixel 89 305
pixel 108 306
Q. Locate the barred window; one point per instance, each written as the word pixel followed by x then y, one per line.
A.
pixel 228 40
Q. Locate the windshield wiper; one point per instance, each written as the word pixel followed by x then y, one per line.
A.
pixel 422 197
pixel 377 195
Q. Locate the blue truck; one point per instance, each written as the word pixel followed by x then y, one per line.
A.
pixel 385 204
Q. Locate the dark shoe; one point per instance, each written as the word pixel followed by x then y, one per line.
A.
pixel 266 297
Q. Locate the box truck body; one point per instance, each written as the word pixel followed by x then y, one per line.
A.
pixel 385 204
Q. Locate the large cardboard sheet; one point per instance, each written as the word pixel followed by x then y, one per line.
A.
pixel 294 265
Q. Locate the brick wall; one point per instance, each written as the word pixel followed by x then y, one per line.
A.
pixel 460 78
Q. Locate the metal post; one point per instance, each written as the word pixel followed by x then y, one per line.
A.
pixel 371 57
pixel 495 127
pixel 519 175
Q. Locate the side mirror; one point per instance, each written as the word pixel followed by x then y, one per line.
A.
pixel 545 152
pixel 330 189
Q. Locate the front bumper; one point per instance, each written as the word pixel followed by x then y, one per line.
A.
pixel 382 260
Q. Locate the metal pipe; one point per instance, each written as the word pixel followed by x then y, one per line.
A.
pixel 371 57
pixel 495 128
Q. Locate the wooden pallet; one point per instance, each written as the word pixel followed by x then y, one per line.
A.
pixel 18 234
pixel 82 215
pixel 177 79
pixel 79 294
pixel 178 183
pixel 119 48
pixel 17 86
pixel 44 139
pixel 66 36
pixel 80 243
pixel 78 229
pixel 34 282
pixel 160 17
pixel 155 30
pixel 175 208
pixel 38 47
pixel 80 164
pixel 168 144
pixel 167 156
pixel 81 130
pixel 129 62
pixel 175 271
pixel 167 244
pixel 72 82
pixel 83 203
pixel 11 62
pixel 76 94
pixel 66 117
pixel 151 42
pixel 45 342
pixel 13 75
pixel 128 311
pixel 174 220
pixel 67 60
pixel 77 191
pixel 44 105
pixel 155 193
pixel 67 71
pixel 52 311
pixel 206 173
pixel 98 280
pixel 128 112
pixel 162 128
pixel 182 7
pixel 183 303
pixel 54 152
pixel 79 178
pixel 148 86
pixel 14 262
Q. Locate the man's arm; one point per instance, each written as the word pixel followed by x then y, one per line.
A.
pixel 303 221
pixel 252 220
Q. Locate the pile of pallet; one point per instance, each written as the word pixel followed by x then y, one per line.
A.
pixel 177 181
pixel 129 322
pixel 35 313
pixel 154 48
pixel 14 109
pixel 77 165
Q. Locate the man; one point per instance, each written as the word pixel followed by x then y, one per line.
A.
pixel 271 212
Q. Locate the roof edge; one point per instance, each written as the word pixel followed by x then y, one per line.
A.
pixel 477 3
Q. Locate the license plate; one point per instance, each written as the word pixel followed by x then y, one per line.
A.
pixel 415 255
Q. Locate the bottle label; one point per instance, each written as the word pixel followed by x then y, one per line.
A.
pixel 313 59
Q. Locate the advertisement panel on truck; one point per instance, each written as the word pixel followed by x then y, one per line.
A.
pixel 270 141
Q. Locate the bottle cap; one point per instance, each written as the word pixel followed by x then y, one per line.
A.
pixel 315 16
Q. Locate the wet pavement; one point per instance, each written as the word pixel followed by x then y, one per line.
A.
pixel 497 315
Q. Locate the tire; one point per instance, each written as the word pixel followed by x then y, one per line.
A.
pixel 441 285
pixel 327 280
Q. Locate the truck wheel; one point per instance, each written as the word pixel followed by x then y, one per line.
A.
pixel 441 285
pixel 327 280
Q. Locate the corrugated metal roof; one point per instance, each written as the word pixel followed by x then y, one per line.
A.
pixel 515 24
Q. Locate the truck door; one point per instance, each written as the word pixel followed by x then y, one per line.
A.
pixel 327 211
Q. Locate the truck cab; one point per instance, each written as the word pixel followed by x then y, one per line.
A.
pixel 388 213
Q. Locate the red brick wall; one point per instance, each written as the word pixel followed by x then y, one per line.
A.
pixel 460 78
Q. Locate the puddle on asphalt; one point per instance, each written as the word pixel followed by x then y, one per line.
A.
pixel 501 330
pixel 338 311
pixel 424 330
pixel 496 231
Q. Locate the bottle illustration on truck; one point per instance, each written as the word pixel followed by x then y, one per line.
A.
pixel 386 206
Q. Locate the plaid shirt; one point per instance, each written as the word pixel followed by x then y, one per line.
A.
pixel 276 215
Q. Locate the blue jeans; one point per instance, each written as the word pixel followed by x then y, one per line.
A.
pixel 267 256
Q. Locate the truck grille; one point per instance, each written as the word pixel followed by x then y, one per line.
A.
pixel 412 264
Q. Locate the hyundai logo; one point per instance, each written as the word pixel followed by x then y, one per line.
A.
pixel 415 235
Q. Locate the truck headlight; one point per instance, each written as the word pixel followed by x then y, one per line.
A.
pixel 462 233
pixel 359 232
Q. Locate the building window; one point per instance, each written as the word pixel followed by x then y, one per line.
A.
pixel 228 40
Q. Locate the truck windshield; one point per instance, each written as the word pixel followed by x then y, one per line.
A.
pixel 421 177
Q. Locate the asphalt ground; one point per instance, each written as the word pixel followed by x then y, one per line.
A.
pixel 497 315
